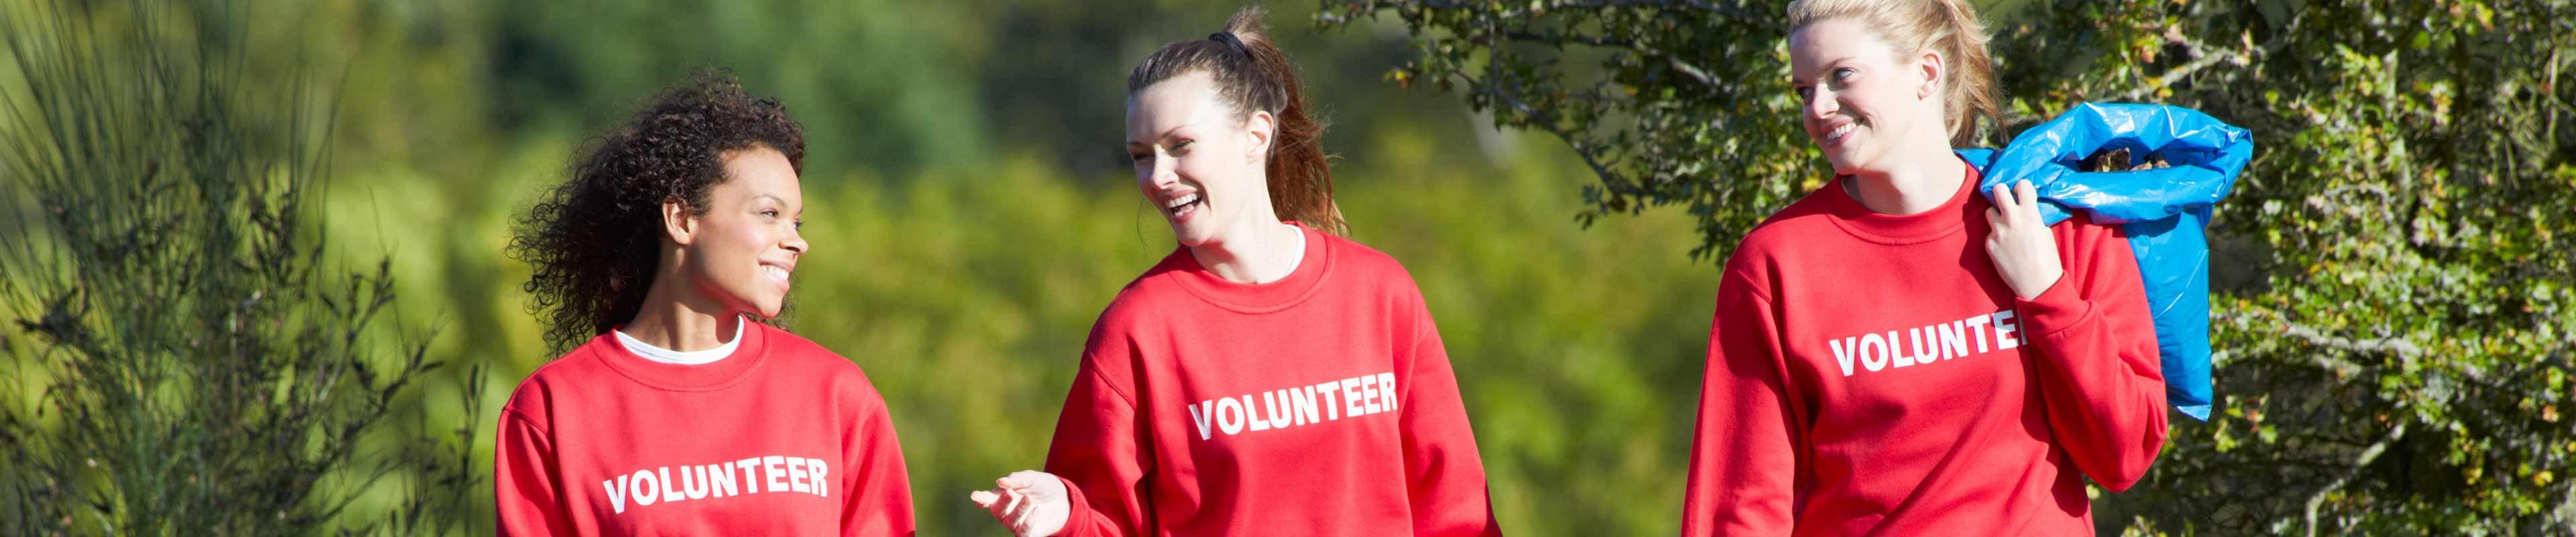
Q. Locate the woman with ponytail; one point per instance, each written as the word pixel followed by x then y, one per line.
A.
pixel 1269 377
pixel 1895 354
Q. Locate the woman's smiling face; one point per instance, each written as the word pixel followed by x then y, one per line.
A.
pixel 1861 97
pixel 1198 160
pixel 745 244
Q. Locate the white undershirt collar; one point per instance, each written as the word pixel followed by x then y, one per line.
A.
pixel 668 356
pixel 1300 258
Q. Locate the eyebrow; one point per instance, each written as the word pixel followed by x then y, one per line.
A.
pixel 1167 133
pixel 1828 67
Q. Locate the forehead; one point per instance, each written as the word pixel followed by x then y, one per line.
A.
pixel 1824 42
pixel 758 170
pixel 1180 100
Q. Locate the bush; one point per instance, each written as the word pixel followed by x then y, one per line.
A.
pixel 183 360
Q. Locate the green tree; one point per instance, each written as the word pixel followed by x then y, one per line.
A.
pixel 2395 301
pixel 182 359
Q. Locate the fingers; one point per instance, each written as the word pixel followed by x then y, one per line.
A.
pixel 2001 209
pixel 1029 478
pixel 1013 499
pixel 1020 520
pixel 2014 203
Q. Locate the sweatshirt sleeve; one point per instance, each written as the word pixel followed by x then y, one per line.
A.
pixel 529 499
pixel 2098 373
pixel 877 496
pixel 1747 457
pixel 1098 453
pixel 1444 477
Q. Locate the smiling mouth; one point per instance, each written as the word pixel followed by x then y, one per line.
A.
pixel 776 274
pixel 1185 205
pixel 1836 136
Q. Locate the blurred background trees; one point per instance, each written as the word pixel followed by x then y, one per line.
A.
pixel 2394 260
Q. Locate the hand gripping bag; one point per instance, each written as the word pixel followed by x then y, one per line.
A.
pixel 2164 211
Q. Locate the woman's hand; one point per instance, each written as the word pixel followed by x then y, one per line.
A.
pixel 1030 503
pixel 2023 251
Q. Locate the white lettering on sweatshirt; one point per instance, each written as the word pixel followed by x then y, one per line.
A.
pixel 772 473
pixel 1295 406
pixel 1923 345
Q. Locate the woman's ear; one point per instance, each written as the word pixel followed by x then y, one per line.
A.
pixel 1930 66
pixel 679 224
pixel 1262 128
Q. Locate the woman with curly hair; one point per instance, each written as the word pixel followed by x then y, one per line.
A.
pixel 1268 377
pixel 675 409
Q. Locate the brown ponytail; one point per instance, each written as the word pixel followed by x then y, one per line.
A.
pixel 1949 27
pixel 1256 75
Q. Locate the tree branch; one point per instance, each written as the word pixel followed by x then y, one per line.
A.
pixel 2208 57
pixel 2367 456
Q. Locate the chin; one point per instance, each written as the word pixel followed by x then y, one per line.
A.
pixel 1847 162
pixel 1843 167
pixel 1192 237
pixel 763 307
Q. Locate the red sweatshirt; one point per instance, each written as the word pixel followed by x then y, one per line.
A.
pixel 1320 404
pixel 1871 374
pixel 780 438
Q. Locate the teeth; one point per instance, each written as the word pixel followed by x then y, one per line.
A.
pixel 1176 203
pixel 1840 131
pixel 774 272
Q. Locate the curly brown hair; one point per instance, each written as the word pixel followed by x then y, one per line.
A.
pixel 595 239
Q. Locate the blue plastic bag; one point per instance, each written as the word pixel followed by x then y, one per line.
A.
pixel 2163 210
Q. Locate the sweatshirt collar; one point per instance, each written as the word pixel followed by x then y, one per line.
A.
pixel 1317 264
pixel 1948 218
pixel 751 350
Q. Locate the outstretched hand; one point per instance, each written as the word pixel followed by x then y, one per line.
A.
pixel 1030 503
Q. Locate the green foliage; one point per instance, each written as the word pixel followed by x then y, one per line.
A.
pixel 2394 310
pixel 184 358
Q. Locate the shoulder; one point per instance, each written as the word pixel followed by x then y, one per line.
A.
pixel 1764 246
pixel 1138 302
pixel 1367 263
pixel 536 396
pixel 2080 225
pixel 2081 242
pixel 1382 279
pixel 803 359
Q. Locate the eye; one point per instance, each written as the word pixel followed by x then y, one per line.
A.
pixel 1805 93
pixel 800 224
pixel 1844 74
pixel 772 213
pixel 1182 146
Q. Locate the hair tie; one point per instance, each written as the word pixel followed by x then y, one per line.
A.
pixel 1230 40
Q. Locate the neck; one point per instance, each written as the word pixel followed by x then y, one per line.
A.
pixel 677 319
pixel 1922 178
pixel 1263 252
